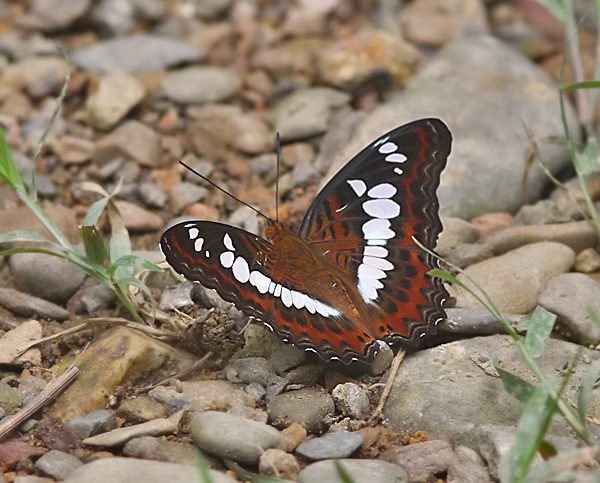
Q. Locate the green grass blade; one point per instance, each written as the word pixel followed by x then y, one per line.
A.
pixel 8 171
pixel 539 329
pixel 95 249
pixel 342 473
pixel 514 385
pixel 594 84
pixel 202 467
pixel 133 261
pixel 586 161
pixel 22 236
pixel 94 211
pixel 532 426
pixel 125 282
pixel 13 251
pixel 120 243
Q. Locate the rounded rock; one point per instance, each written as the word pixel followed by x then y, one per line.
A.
pixel 309 407
pixel 94 423
pixel 44 276
pixel 529 269
pixel 57 464
pixel 336 445
pixel 233 437
pixel 201 85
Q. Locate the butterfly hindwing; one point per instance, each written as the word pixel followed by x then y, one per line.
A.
pixel 364 220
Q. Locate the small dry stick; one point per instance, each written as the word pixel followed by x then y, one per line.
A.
pixel 103 322
pixel 388 385
pixel 179 375
pixel 51 392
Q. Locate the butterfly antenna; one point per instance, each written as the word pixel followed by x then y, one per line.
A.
pixel 224 191
pixel 278 151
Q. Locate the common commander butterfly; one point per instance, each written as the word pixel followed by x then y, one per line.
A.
pixel 352 275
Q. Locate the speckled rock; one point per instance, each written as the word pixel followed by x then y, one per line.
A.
pixel 276 462
pixel 116 95
pixel 575 298
pixel 131 140
pixel 469 387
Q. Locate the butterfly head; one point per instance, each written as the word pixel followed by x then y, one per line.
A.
pixel 276 230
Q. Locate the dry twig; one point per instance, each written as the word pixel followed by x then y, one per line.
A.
pixel 388 386
pixel 50 392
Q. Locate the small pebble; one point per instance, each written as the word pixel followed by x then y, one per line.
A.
pixel 340 444
pixel 94 423
pixel 310 407
pixel 587 261
pixel 233 437
pixel 57 464
pixel 351 400
pixel 278 463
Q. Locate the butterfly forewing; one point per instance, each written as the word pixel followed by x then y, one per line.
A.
pixel 365 220
pixel 222 257
pixel 242 267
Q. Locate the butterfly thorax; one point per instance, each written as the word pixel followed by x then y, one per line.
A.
pixel 313 273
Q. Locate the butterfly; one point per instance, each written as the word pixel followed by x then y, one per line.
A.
pixel 352 275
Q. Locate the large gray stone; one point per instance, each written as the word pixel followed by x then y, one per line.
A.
pixel 453 387
pixel 486 93
pixel 575 298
